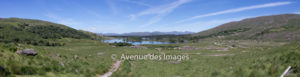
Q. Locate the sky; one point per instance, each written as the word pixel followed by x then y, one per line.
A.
pixel 122 16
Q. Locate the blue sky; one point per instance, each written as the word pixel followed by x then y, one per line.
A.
pixel 120 16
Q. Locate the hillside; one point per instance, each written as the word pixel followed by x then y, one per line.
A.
pixel 37 32
pixel 275 27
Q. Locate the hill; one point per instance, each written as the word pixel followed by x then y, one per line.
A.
pixel 37 32
pixel 155 33
pixel 275 27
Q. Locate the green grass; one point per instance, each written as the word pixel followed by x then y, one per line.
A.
pixel 250 59
pixel 93 58
pixel 37 32
pixel 259 60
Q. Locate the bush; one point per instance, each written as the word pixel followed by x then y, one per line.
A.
pixel 4 72
pixel 118 44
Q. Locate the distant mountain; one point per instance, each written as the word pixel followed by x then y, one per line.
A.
pixel 147 33
pixel 281 27
pixel 37 32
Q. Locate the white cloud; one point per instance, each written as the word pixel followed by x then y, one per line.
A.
pixel 239 9
pixel 162 9
pixel 159 11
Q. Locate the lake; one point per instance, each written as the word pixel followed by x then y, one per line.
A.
pixel 135 42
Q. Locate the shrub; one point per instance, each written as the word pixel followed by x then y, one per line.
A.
pixel 120 44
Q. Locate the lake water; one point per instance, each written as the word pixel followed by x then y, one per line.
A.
pixel 135 43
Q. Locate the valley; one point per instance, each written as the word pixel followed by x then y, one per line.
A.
pixel 252 47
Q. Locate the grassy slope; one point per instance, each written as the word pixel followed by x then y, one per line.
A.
pixel 92 59
pixel 283 27
pixel 37 32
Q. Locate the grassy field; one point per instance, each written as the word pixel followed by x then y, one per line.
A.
pixel 254 59
pixel 213 58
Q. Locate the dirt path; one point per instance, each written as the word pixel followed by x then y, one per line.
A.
pixel 113 69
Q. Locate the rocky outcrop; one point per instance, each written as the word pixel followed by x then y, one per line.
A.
pixel 28 52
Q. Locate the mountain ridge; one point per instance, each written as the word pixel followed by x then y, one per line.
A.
pixel 282 27
pixel 148 33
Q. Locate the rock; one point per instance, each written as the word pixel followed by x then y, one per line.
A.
pixel 29 52
pixel 76 71
pixel 57 55
pixel 75 56
pixel 62 64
